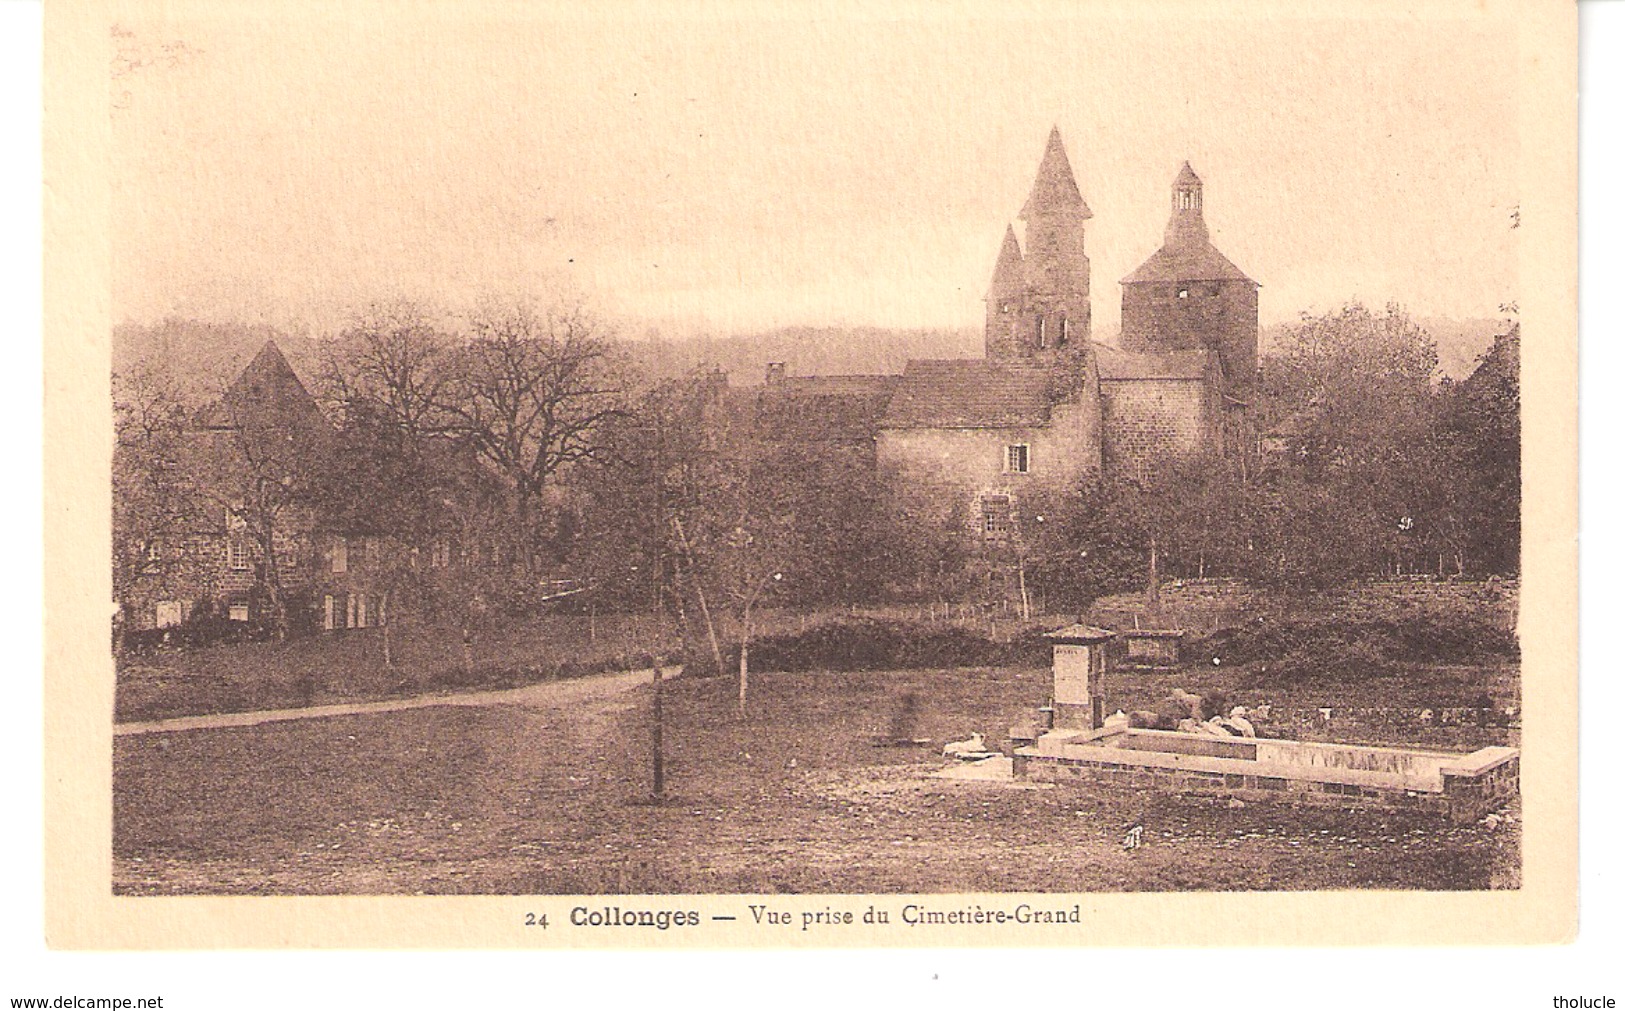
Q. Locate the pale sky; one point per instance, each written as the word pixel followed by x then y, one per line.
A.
pixel 730 176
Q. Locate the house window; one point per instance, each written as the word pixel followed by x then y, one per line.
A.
pixel 328 612
pixel 1184 293
pixel 237 609
pixel 168 613
pixel 440 554
pixel 996 516
pixel 237 556
pixel 341 555
pixel 1015 459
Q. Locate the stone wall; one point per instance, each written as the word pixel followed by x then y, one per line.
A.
pixel 1201 606
pixel 193 570
pixel 973 459
pixel 1146 421
pixel 1217 315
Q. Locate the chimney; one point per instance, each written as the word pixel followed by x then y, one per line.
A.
pixel 775 373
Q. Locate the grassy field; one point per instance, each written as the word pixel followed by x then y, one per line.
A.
pixel 539 800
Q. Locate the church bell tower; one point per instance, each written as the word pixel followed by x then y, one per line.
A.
pixel 1038 303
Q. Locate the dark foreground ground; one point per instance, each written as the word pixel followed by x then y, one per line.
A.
pixel 553 800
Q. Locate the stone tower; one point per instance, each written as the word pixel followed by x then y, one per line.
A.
pixel 1189 297
pixel 1038 303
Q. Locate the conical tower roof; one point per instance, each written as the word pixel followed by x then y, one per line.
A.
pixel 1007 273
pixel 1056 188
pixel 1186 254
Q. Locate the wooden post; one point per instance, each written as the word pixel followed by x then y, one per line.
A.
pixel 655 733
pixel 1153 589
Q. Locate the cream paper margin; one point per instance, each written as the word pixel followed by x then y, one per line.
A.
pixel 82 912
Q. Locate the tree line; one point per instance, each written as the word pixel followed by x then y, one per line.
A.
pixel 485 456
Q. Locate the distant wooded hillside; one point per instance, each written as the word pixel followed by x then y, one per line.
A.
pixel 204 357
pixel 807 351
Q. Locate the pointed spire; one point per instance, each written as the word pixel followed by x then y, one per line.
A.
pixel 1187 177
pixel 1056 188
pixel 1007 272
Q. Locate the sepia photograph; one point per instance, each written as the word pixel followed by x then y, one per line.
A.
pixel 977 463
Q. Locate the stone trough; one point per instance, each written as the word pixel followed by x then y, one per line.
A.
pixel 1077 744
pixel 1463 787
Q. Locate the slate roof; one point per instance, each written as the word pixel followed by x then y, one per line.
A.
pixel 1115 363
pixel 267 392
pixel 1055 188
pixel 858 385
pixel 1195 261
pixel 969 393
pixel 819 408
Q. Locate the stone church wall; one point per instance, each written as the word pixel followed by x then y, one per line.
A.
pixel 1216 315
pixel 1148 421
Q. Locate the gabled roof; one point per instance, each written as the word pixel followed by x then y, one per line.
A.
pixel 969 393
pixel 1115 363
pixel 1055 188
pixel 1196 261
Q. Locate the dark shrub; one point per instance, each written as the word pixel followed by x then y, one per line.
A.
pixel 875 644
pixel 1358 643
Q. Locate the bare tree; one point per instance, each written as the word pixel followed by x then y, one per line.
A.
pixel 391 360
pixel 152 490
pixel 531 389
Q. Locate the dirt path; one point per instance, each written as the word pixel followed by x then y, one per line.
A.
pixel 546 695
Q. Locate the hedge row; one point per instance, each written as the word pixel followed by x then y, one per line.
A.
pixel 863 644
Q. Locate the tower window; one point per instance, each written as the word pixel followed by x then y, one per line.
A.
pixel 1065 333
pixel 1184 293
pixel 1043 337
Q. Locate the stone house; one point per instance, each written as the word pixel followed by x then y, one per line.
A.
pixel 260 514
